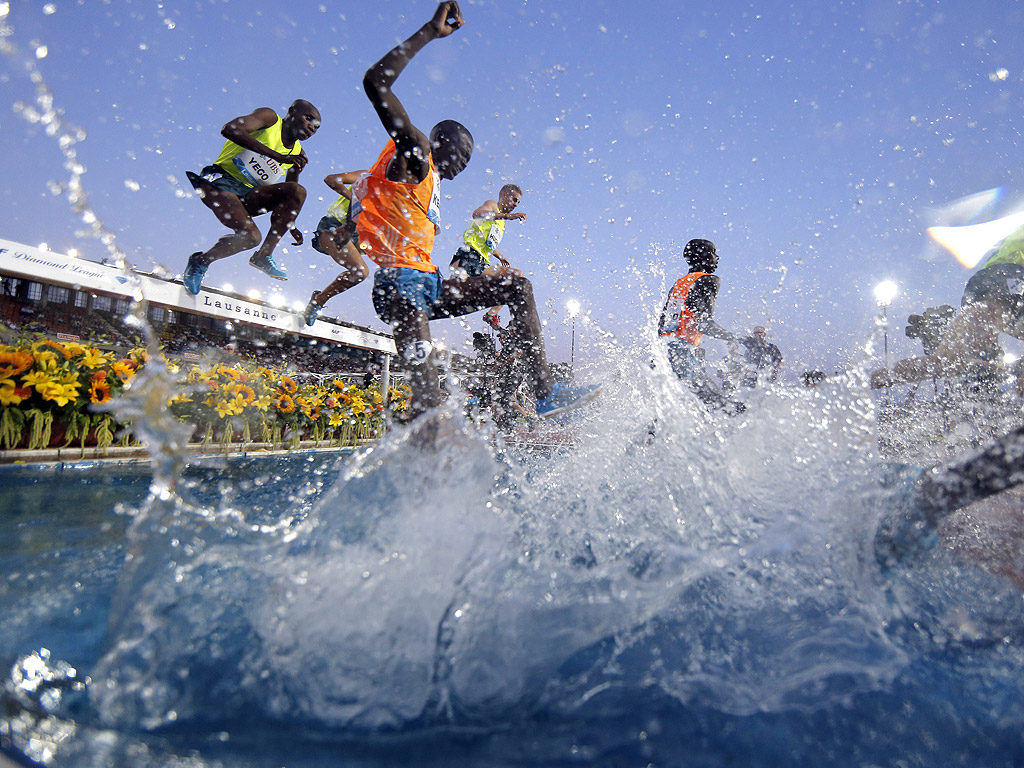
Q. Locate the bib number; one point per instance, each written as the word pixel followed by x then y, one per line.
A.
pixel 434 211
pixel 260 170
pixel 494 236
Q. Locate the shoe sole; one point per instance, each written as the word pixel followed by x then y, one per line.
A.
pixel 266 271
pixel 577 403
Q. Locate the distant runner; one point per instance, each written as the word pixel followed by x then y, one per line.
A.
pixel 687 316
pixel 992 304
pixel 256 172
pixel 759 355
pixel 484 235
pixel 336 237
pixel 397 212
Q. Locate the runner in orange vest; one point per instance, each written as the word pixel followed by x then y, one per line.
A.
pixel 397 212
pixel 687 316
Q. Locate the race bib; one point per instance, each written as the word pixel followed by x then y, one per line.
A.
pixel 417 352
pixel 434 211
pixel 358 190
pixel 260 170
pixel 494 236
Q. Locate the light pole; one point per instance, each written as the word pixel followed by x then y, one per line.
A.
pixel 885 292
pixel 572 306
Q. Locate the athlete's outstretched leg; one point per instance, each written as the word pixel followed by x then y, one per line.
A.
pixel 231 212
pixel 471 294
pixel 283 201
pixel 412 340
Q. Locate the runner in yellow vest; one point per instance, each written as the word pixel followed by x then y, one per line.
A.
pixel 482 238
pixel 256 172
pixel 336 236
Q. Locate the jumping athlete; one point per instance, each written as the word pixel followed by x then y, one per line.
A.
pixel 759 355
pixel 482 237
pixel 336 237
pixel 687 316
pixel 256 172
pixel 397 216
pixel 992 303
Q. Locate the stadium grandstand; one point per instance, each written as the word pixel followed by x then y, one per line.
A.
pixel 74 299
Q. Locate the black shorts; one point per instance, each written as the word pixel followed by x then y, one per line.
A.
pixel 217 177
pixel 332 225
pixel 469 260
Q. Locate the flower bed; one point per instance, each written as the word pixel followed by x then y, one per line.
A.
pixel 55 394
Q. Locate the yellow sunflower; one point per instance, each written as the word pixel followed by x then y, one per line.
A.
pixel 49 345
pixel 285 404
pixel 13 362
pixel 246 392
pixel 288 385
pixel 99 391
pixel 124 369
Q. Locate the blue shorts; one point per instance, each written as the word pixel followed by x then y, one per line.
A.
pixel 686 359
pixel 471 261
pixel 328 224
pixel 218 178
pixel 420 289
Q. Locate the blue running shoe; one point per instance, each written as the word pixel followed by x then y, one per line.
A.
pixel 194 273
pixel 312 310
pixel 563 398
pixel 268 266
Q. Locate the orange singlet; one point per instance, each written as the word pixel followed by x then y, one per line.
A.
pixel 687 329
pixel 397 222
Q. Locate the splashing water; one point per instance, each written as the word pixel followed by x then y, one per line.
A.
pixel 677 587
pixel 722 566
pixel 144 400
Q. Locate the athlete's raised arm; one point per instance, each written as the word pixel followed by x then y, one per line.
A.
pixel 410 164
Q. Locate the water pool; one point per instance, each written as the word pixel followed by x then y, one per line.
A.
pixel 462 605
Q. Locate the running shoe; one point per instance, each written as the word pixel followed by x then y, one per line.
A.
pixel 563 398
pixel 194 273
pixel 267 265
pixel 312 310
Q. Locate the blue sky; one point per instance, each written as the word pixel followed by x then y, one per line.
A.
pixel 814 143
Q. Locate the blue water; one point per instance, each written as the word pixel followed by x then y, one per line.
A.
pixel 673 590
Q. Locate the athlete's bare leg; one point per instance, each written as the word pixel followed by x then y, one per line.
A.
pixel 283 201
pixel 354 269
pixel 462 296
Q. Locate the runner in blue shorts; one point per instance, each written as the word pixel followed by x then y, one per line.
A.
pixel 398 219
